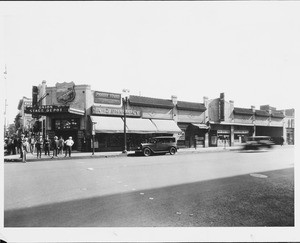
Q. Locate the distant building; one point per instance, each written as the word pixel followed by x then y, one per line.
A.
pixel 289 125
pixel 231 125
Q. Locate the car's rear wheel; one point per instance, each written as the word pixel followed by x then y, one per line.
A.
pixel 147 152
pixel 172 151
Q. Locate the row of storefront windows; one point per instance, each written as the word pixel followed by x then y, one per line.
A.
pixel 66 124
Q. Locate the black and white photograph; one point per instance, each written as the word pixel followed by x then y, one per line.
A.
pixel 149 121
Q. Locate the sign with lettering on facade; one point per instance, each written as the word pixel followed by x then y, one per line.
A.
pixel 47 109
pixel 65 92
pixel 107 98
pixel 223 131
pixel 241 132
pixel 96 110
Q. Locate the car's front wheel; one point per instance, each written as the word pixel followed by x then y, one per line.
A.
pixel 172 151
pixel 147 152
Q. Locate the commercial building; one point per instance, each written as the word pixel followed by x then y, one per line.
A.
pixel 85 114
pixel 232 125
pixel 96 119
pixel 289 126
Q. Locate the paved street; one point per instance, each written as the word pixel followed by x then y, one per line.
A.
pixel 191 189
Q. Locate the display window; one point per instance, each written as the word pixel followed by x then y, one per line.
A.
pixel 66 124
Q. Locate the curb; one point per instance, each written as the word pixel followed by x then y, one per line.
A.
pixel 180 151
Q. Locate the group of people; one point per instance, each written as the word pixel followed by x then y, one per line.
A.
pixel 25 145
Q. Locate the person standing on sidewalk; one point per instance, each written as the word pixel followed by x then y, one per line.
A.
pixel 69 143
pixel 55 147
pixel 25 149
pixel 47 144
pixel 20 145
pixel 61 143
pixel 39 145
pixel 32 143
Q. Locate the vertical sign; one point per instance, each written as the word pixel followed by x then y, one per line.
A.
pixel 221 107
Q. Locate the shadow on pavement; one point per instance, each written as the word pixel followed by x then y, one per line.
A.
pixel 234 201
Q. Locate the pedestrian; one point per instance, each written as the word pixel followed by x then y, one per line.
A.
pixel 20 145
pixel 9 146
pixel 281 141
pixel 39 145
pixel 195 142
pixel 61 143
pixel 69 143
pixel 25 149
pixel 47 143
pixel 14 145
pixel 32 144
pixel 55 147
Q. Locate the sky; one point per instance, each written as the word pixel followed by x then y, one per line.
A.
pixel 248 50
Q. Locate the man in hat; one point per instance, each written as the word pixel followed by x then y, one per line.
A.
pixel 20 145
pixel 39 144
pixel 25 149
pixel 55 147
pixel 69 143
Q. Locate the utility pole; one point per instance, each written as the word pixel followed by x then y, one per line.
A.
pixel 5 126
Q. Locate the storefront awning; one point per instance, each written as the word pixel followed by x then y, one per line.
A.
pixel 200 125
pixel 108 124
pixel 137 125
pixel 166 126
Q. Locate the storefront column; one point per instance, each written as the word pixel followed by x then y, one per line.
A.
pixel 232 135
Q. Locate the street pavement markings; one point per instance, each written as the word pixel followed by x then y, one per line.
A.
pixel 90 168
pixel 141 193
pixel 259 175
pixel 151 198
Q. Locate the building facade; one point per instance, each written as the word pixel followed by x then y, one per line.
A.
pixel 97 119
pixel 230 125
pixel 289 126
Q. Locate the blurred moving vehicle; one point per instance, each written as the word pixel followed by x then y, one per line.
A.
pixel 156 145
pixel 258 142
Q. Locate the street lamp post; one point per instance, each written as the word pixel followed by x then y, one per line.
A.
pixel 125 101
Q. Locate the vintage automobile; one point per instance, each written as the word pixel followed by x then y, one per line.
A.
pixel 156 145
pixel 258 142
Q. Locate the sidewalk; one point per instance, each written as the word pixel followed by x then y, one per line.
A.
pixel 87 155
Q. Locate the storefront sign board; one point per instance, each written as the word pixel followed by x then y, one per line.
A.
pixel 107 98
pixel 65 92
pixel 241 132
pixel 115 112
pixel 223 131
pixel 46 109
